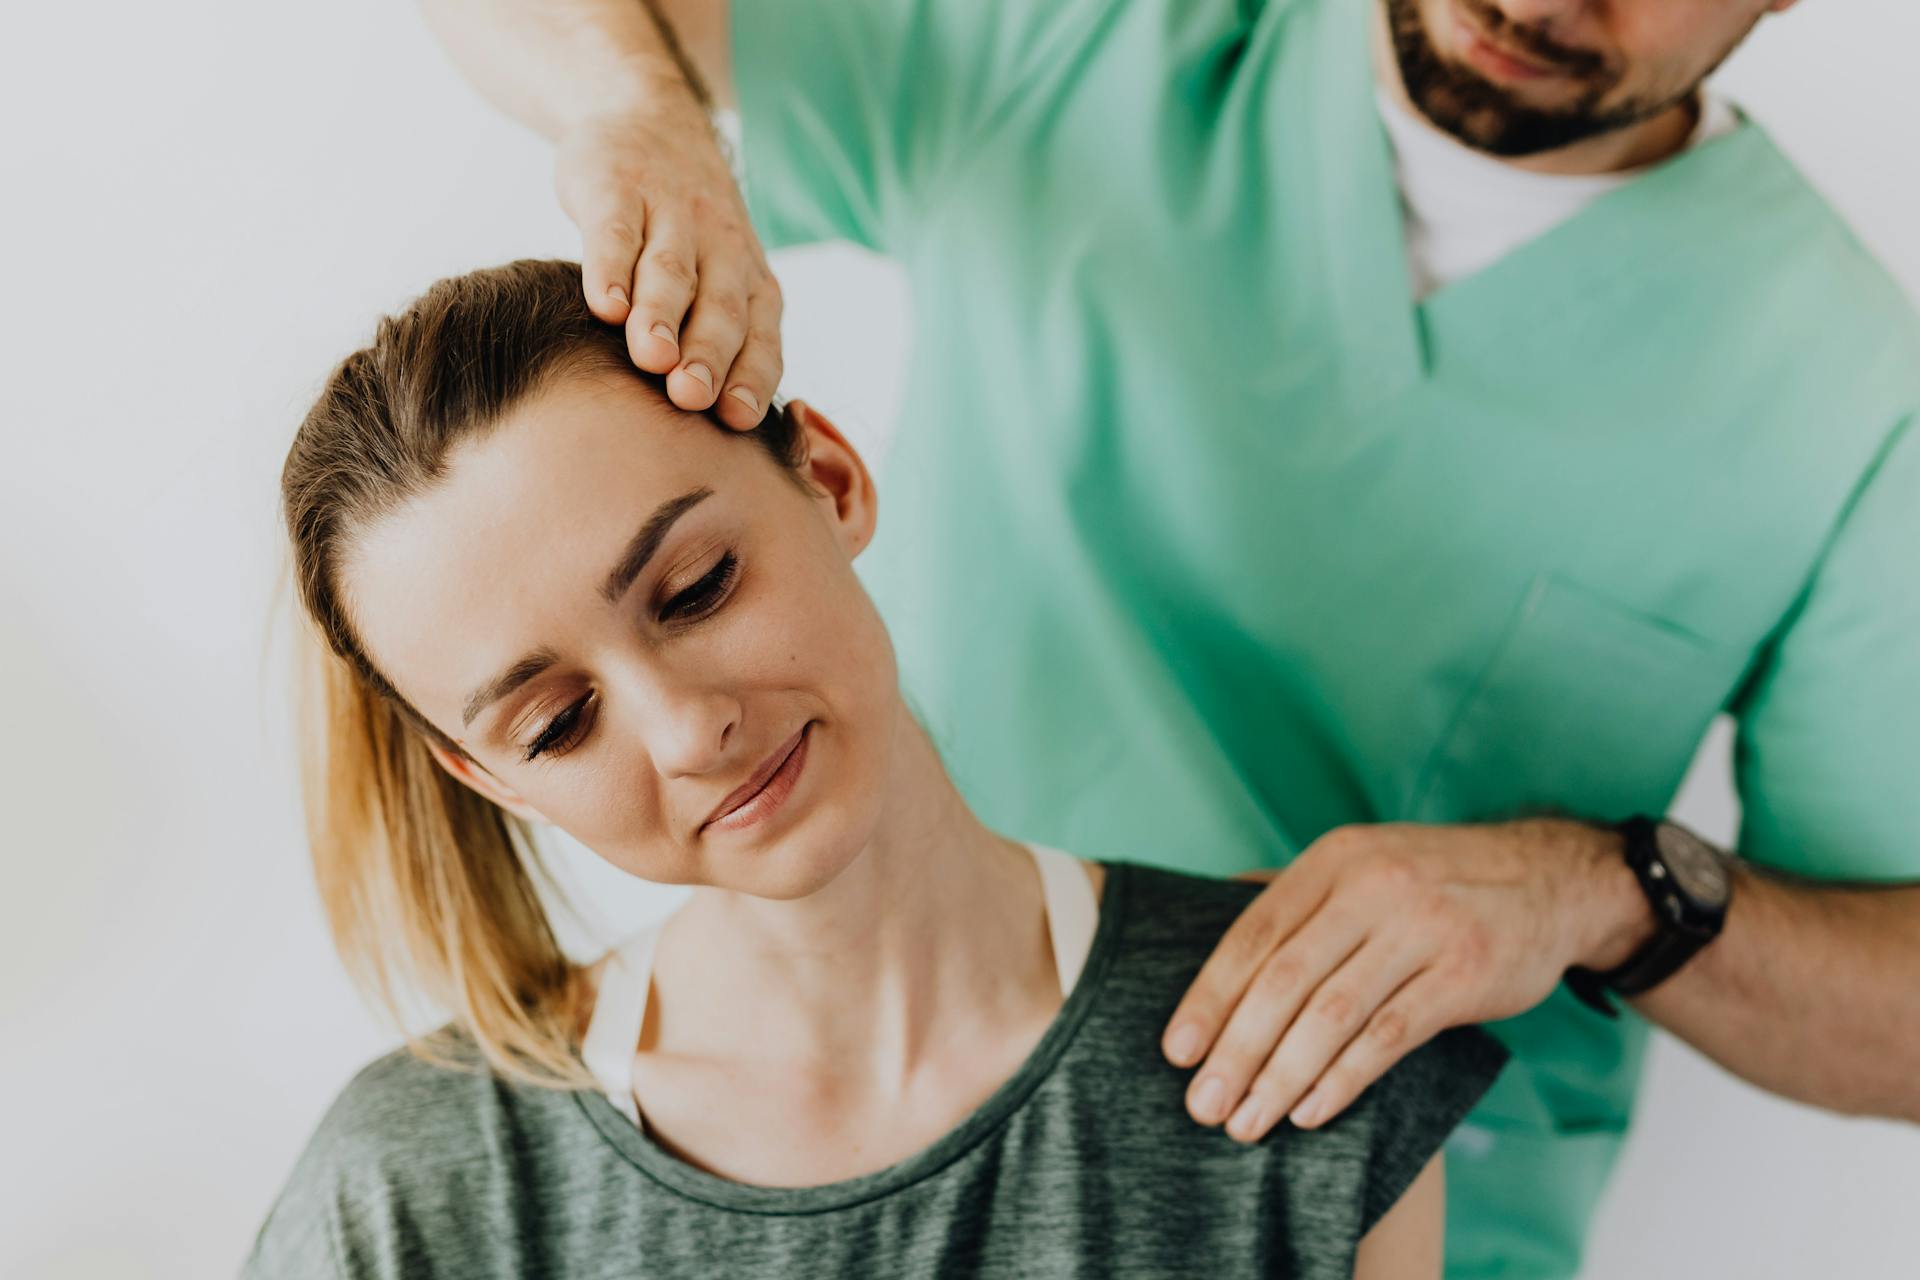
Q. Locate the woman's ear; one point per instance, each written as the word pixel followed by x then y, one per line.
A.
pixel 473 774
pixel 834 468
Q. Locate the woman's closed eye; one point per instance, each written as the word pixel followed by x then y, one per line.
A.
pixel 704 596
pixel 564 732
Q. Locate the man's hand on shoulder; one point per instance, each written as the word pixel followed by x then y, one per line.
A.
pixel 1378 938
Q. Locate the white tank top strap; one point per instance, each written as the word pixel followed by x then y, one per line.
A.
pixel 619 1012
pixel 1073 913
pixel 620 1005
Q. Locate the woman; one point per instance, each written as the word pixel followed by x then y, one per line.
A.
pixel 878 1038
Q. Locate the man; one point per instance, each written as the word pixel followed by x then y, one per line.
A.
pixel 1331 424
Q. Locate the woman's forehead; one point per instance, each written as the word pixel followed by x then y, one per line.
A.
pixel 517 538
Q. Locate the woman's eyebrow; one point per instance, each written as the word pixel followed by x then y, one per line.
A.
pixel 506 682
pixel 633 561
pixel 646 541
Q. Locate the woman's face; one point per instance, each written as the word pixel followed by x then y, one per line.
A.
pixel 643 631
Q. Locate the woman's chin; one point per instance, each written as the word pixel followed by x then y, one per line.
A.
pixel 799 863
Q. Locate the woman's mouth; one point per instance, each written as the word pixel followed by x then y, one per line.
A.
pixel 766 789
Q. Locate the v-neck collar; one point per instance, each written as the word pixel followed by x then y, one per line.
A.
pixel 1672 209
pixel 1368 284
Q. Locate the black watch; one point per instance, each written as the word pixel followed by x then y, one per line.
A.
pixel 1689 884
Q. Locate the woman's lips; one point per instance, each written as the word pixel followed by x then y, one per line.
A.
pixel 767 789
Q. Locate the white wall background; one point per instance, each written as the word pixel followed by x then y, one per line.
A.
pixel 205 204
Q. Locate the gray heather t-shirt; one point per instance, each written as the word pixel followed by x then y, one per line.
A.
pixel 1084 1163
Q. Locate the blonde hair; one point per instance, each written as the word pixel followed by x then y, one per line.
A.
pixel 431 891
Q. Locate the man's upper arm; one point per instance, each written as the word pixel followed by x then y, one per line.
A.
pixel 1828 754
pixel 852 111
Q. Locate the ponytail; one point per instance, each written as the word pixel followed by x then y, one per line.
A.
pixel 430 889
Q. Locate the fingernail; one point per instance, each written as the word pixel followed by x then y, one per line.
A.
pixel 1245 1124
pixel 1211 1099
pixel 745 397
pixel 1183 1046
pixel 1307 1114
pixel 618 294
pixel 662 332
pixel 699 372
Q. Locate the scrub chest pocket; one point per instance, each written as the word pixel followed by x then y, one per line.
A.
pixel 1587 705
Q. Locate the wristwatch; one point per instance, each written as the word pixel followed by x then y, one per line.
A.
pixel 1688 883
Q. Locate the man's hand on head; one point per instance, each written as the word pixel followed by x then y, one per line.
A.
pixel 669 253
pixel 1378 938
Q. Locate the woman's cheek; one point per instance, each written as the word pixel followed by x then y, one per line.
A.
pixel 614 811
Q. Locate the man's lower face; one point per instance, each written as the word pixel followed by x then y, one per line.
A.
pixel 1505 87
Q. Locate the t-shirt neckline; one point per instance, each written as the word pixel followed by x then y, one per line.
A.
pixel 676 1175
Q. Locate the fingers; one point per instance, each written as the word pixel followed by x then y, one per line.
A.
pixel 1409 1018
pixel 714 332
pixel 663 287
pixel 608 250
pixel 756 371
pixel 1267 923
pixel 1333 1016
pixel 1277 993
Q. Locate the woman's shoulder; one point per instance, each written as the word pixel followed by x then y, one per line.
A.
pixel 1172 920
pixel 408 1139
pixel 409 1104
pixel 1170 923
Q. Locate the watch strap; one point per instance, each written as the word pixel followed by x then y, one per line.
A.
pixel 1673 942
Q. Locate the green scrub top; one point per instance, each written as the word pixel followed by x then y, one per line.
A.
pixel 1200 537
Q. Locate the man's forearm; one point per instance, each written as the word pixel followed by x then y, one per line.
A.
pixel 553 65
pixel 1811 992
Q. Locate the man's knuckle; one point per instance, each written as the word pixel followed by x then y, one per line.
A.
pixel 1473 945
pixel 619 233
pixel 669 265
pixel 1279 976
pixel 728 306
pixel 1390 875
pixel 1389 1029
pixel 1336 1008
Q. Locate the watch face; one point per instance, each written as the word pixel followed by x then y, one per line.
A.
pixel 1699 870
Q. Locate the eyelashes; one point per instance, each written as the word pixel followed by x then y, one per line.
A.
pixel 563 733
pixel 704 596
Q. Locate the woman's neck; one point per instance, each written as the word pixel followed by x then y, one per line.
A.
pixel 933 933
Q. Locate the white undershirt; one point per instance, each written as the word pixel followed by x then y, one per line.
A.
pixel 1465 210
pixel 626 981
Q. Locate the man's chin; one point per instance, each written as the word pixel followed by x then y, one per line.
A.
pixel 1486 116
pixel 1512 135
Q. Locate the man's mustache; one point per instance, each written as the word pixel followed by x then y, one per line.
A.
pixel 1534 42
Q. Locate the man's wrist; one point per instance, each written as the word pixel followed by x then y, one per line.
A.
pixel 1614 909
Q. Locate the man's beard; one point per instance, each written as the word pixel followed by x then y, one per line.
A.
pixel 1483 115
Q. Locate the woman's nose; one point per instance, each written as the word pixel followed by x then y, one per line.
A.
pixel 688 729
